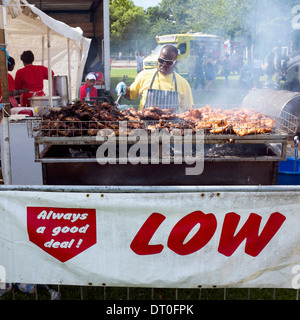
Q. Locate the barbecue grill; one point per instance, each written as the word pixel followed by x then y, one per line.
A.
pixel 68 154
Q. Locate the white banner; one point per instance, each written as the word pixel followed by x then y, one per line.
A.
pixel 171 240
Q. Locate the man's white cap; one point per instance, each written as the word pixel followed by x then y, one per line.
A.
pixel 90 76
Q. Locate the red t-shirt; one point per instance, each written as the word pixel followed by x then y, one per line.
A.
pixel 31 77
pixel 83 92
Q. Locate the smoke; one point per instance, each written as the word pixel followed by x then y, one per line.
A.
pixel 272 25
pixel 255 28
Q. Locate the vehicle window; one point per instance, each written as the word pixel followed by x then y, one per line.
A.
pixel 182 48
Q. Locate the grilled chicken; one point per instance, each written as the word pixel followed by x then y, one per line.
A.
pixel 82 119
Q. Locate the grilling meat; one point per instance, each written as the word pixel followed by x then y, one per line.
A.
pixel 82 119
pixel 241 121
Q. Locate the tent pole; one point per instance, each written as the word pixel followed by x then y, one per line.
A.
pixel 69 73
pixel 79 56
pixel 6 164
pixel 50 80
pixel 106 52
pixel 43 51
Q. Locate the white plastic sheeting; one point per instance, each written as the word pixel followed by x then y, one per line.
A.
pixel 27 28
pixel 164 237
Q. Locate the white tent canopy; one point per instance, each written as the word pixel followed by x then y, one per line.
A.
pixel 53 43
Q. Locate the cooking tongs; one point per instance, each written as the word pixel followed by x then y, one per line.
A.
pixel 121 94
pixel 296 143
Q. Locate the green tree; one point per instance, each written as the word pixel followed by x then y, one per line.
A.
pixel 127 19
pixel 160 23
pixel 260 24
pixel 179 15
pixel 128 26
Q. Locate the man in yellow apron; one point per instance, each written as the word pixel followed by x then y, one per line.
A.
pixel 161 87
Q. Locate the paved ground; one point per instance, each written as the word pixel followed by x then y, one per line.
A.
pixel 123 64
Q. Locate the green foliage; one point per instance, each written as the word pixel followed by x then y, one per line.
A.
pixel 265 22
pixel 127 19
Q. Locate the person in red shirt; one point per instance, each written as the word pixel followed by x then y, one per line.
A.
pixel 90 81
pixel 31 77
pixel 11 80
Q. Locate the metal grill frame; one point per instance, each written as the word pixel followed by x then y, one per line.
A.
pixel 285 123
pixel 286 126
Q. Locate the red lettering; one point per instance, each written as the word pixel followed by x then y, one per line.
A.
pixel 254 243
pixel 208 225
pixel 140 243
pixel 230 239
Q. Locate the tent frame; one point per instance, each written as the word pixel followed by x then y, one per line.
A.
pixel 7 174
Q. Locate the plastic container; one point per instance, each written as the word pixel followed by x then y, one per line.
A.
pixel 289 172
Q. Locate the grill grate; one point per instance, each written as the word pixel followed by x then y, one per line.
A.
pixel 286 124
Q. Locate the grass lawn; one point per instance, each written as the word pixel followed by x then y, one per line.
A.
pixel 156 294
